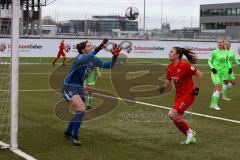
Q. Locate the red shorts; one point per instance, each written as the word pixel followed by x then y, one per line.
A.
pixel 61 54
pixel 181 104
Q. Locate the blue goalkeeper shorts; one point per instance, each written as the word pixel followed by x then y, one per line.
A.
pixel 68 91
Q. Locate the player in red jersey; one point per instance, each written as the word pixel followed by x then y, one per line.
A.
pixel 60 53
pixel 181 72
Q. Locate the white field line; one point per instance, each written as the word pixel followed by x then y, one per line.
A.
pixel 168 108
pixel 4 145
pixel 48 73
pixel 28 157
pixel 147 104
pixel 17 151
pixel 23 154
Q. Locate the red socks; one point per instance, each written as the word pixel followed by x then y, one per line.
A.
pixel 181 124
pixel 64 60
pixel 55 60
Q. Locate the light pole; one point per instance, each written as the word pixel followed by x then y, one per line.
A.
pixel 162 15
pixel 182 17
pixel 191 22
pixel 144 17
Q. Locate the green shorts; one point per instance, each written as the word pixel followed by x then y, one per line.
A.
pixel 218 78
pixel 230 77
pixel 90 81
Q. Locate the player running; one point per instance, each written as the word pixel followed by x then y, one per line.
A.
pixel 73 89
pixel 60 53
pixel 229 80
pixel 181 72
pixel 90 82
pixel 220 67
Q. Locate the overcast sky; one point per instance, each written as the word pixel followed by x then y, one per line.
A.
pixel 178 12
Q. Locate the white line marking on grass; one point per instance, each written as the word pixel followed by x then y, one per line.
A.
pixel 17 151
pixel 29 73
pixel 38 90
pixel 67 73
pixel 147 104
pixel 104 72
pixel 4 145
pixel 30 90
pixel 23 154
pixel 34 73
pixel 167 108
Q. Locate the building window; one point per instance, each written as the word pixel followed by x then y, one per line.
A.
pixel 229 12
pixel 220 12
pixel 238 11
pixel 215 12
pixel 215 26
pixel 211 11
pixel 234 11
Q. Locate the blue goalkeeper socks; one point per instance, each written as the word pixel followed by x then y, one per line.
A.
pixel 77 120
pixel 69 128
pixel 75 124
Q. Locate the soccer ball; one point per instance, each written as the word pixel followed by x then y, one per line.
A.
pixel 132 13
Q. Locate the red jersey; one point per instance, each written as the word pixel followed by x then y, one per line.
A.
pixel 61 47
pixel 181 74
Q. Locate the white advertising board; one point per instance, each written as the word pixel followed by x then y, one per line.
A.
pixel 132 48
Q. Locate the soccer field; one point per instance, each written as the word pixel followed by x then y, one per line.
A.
pixel 128 131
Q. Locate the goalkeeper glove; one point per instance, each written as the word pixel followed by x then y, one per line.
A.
pixel 116 50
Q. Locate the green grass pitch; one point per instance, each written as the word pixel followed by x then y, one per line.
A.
pixel 123 134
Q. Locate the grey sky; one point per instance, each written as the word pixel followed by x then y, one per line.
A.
pixel 178 12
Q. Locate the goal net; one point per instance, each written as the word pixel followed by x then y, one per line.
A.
pixel 4 100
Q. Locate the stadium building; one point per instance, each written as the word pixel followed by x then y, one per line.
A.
pixel 220 18
pixel 30 15
pixel 98 25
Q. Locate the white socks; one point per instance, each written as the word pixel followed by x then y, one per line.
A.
pixel 225 86
pixel 189 133
pixel 229 85
pixel 216 94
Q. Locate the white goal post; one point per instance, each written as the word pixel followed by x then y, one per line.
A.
pixel 14 75
pixel 9 87
pixel 14 84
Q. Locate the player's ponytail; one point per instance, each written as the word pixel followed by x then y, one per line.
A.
pixel 191 56
pixel 81 46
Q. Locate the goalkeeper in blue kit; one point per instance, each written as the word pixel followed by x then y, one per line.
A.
pixel 73 86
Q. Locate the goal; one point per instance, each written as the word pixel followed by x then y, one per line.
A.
pixel 9 85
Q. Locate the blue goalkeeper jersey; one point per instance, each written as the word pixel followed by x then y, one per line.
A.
pixel 82 66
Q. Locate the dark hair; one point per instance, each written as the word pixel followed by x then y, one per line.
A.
pixel 81 46
pixel 191 56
